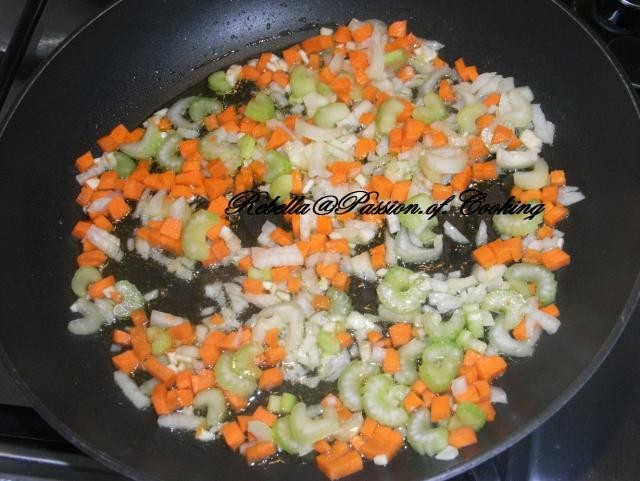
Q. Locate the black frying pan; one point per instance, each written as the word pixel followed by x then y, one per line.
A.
pixel 139 55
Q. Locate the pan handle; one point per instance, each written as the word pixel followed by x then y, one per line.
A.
pixel 487 471
pixel 18 45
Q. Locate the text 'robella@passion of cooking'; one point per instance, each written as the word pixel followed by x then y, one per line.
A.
pixel 472 202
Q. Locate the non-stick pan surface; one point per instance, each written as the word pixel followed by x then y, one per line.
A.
pixel 139 55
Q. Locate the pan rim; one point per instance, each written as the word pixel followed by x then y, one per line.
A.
pixel 562 399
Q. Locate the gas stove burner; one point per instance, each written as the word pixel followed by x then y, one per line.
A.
pixel 620 17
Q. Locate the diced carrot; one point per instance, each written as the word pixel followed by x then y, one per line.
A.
pixel 93 258
pixel 320 302
pixel 441 192
pixel 340 246
pixel 181 332
pixel 477 150
pixel 362 33
pixel 344 338
pixel 490 367
pixel 96 289
pixel 400 334
pixel 336 468
pixel 557 177
pixel 126 362
pixel 203 380
pixel 121 337
pixel 391 363
pixel 118 208
pixel 492 99
pixel 237 403
pixel 232 435
pixel 461 181
pixel 271 379
pixel 398 29
pixel 158 370
pixel 412 401
pixel 484 171
pixel 440 408
pixel 489 411
pixel 555 259
pixel 470 373
pixel 84 162
pixel 445 91
pixel 342 34
pixel 294 285
pixel 274 355
pixel 107 143
pixel 322 446
pixel 340 281
pixel 261 414
pixel 555 214
pixel 484 256
pixel 551 309
pixel 531 256
pixel 462 437
pixel 484 389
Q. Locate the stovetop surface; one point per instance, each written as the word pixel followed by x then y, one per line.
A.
pixel 593 437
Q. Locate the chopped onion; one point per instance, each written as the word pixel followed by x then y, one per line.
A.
pixel 260 430
pixel 482 236
pixel 313 132
pixel 131 390
pixel 106 242
pixel 459 386
pixel 454 234
pixel 447 454
pixel 547 322
pixel 164 319
pixel 277 256
pixel 498 395
pixel 568 195
pixel 445 160
pixel 181 421
pixel 515 159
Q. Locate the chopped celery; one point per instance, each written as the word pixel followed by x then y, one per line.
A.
pixel 418 223
pixel 306 430
pixel 228 153
pixel 194 234
pixel 520 286
pixel 387 115
pixel 340 302
pixel 400 290
pixel 535 178
pixel 229 380
pixel 218 83
pixel 90 321
pixel 263 274
pixel 200 107
pixel 433 109
pixel 132 299
pixel 302 81
pixel 160 340
pixel 214 401
pixel 408 354
pixel 260 108
pixel 328 342
pixel 324 89
pixel 395 59
pixel 423 438
pixel 147 147
pixel 288 401
pixel 516 225
pixel 440 363
pixel 82 278
pixel 243 361
pixel 247 145
pixel 473 319
pixel 471 415
pixel 467 116
pixel 351 380
pixel 277 165
pixel 546 284
pixel 464 338
pixel 382 400
pixel 329 115
pixel 273 403
pixel 284 439
pixel 124 164
pixel 281 187
pixel 168 156
pixel 507 302
pixel 436 329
